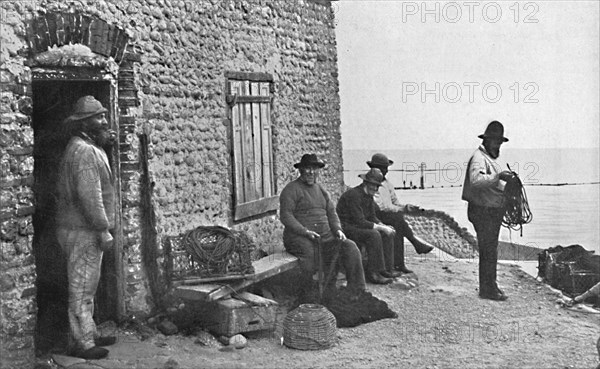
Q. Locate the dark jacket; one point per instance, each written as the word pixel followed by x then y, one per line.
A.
pixel 357 209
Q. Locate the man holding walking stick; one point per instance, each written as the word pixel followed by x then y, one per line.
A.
pixel 310 220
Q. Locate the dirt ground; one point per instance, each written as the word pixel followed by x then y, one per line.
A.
pixel 441 324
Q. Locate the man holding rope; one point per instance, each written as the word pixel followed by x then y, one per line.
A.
pixel 310 220
pixel 484 191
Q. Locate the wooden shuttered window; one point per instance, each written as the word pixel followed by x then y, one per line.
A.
pixel 249 101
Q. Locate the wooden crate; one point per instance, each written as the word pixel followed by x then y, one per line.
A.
pixel 244 313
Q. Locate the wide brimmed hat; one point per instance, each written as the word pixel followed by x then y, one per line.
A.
pixel 309 160
pixel 494 130
pixel 86 107
pixel 379 160
pixel 372 176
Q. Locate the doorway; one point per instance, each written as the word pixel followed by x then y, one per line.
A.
pixel 52 103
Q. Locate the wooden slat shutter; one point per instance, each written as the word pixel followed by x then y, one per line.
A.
pixel 250 104
pixel 249 177
pixel 236 123
pixel 267 146
pixel 257 140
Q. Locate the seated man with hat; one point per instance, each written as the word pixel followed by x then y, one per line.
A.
pixel 390 211
pixel 356 209
pixel 309 217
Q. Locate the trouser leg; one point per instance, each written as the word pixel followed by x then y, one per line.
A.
pixel 373 242
pixel 388 251
pixel 403 229
pixel 84 259
pixel 396 220
pixel 304 249
pixel 352 262
pixel 487 222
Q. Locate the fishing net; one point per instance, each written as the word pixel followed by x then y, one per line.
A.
pixel 352 308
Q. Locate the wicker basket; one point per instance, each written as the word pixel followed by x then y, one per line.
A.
pixel 309 327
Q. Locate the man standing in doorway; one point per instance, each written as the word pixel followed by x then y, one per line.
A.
pixel 483 190
pixel 391 212
pixel 85 216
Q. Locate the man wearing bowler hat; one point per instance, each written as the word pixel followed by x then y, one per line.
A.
pixel 309 217
pixel 85 216
pixel 391 212
pixel 483 190
pixel 356 209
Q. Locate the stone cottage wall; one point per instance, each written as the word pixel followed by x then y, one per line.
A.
pixel 186 49
pixel 17 269
pixel 179 54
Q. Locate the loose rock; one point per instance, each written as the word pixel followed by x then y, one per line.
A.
pixel 167 327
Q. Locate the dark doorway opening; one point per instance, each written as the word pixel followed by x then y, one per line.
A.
pixel 52 103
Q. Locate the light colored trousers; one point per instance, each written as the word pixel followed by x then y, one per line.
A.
pixel 84 259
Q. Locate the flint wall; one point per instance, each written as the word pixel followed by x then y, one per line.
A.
pixel 179 53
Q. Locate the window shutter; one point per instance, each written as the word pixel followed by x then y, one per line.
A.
pixel 249 179
pixel 249 101
pixel 257 140
pixel 267 146
pixel 236 119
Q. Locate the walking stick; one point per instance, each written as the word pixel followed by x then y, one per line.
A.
pixel 325 278
pixel 320 266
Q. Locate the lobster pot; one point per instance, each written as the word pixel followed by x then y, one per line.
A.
pixel 309 327
pixel 575 281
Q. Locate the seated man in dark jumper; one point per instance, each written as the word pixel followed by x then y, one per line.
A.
pixel 390 211
pixel 356 210
pixel 309 216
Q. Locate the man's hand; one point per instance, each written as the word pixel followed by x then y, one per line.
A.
pixel 387 230
pixel 506 175
pixel 112 137
pixel 312 235
pixel 340 235
pixel 410 208
pixel 106 240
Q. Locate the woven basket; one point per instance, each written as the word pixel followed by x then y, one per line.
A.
pixel 309 327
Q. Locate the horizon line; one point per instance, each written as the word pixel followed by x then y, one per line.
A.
pixel 472 148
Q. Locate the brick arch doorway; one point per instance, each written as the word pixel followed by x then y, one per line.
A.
pixel 53 99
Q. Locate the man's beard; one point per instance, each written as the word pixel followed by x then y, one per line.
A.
pixel 494 153
pixel 101 137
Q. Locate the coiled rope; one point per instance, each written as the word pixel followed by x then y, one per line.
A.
pixel 219 251
pixel 516 207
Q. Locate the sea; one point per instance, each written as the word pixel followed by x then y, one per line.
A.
pixel 562 187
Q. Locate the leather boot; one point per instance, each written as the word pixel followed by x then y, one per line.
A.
pixel 403 269
pixel 399 261
pixel 94 353
pixel 391 274
pixel 377 278
pixel 420 245
pixel 105 341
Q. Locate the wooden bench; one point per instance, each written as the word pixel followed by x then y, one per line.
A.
pixel 264 268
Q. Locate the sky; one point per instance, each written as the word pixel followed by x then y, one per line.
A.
pixel 432 75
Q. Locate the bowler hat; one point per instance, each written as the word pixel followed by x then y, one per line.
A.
pixel 372 176
pixel 379 160
pixel 309 160
pixel 494 130
pixel 85 107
